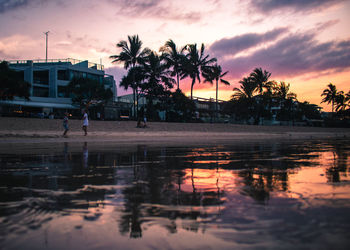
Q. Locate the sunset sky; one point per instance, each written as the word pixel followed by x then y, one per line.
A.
pixel 303 42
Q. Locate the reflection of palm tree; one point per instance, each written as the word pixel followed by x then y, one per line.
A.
pixel 340 158
pixel 194 63
pixel 131 55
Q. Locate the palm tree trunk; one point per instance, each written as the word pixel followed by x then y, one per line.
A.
pixel 193 81
pixel 178 81
pixel 216 106
pixel 134 97
pixel 137 103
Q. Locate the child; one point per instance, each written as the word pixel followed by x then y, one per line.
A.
pixel 85 122
pixel 65 124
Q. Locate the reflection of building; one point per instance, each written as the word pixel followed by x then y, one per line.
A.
pixel 49 79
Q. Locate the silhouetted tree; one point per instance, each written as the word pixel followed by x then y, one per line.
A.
pixel 261 79
pixel 12 83
pixel 212 73
pixel 131 55
pixel 330 95
pixel 181 107
pixel 194 62
pixel 86 92
pixel 174 59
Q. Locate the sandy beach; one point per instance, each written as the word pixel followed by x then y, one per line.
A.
pixel 31 130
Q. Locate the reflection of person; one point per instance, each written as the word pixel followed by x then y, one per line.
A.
pixel 65 124
pixel 85 122
pixel 85 155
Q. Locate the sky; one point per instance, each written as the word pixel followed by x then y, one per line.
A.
pixel 304 43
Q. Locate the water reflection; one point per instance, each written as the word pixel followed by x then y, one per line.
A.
pixel 231 193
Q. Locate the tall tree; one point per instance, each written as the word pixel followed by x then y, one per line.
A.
pixel 12 83
pixel 243 98
pixel 152 78
pixel 211 73
pixel 174 58
pixel 86 92
pixel 131 55
pixel 157 81
pixel 194 62
pixel 247 90
pixel 285 99
pixel 261 78
pixel 282 91
pixel 340 101
pixel 330 95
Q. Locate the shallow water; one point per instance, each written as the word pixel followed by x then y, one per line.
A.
pixel 293 195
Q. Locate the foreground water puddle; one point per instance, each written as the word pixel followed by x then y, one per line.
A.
pixel 246 196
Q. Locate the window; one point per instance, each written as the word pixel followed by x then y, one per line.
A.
pixel 63 75
pixel 61 92
pixel 93 77
pixel 41 77
pixel 40 91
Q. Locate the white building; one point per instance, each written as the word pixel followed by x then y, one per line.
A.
pixel 49 78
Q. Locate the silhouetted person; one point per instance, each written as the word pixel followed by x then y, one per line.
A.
pixel 85 122
pixel 65 124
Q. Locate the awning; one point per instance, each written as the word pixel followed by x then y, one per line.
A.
pixel 41 104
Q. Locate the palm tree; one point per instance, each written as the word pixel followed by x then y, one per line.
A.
pixel 261 78
pixel 330 95
pixel 282 91
pixel 247 89
pixel 131 55
pixel 285 99
pixel 156 72
pixel 340 101
pixel 211 73
pixel 244 97
pixel 174 58
pixel 194 62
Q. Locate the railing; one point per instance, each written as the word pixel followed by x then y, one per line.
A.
pixel 201 99
pixel 66 60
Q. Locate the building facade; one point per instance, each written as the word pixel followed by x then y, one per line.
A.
pixel 49 78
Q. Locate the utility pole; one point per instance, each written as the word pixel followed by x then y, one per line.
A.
pixel 47 35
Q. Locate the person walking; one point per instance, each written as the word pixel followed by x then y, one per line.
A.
pixel 65 124
pixel 85 122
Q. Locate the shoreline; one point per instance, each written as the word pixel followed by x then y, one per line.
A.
pixel 31 130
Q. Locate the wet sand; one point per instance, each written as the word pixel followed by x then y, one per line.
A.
pixel 30 130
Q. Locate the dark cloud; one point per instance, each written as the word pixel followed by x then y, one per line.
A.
pixel 159 9
pixel 267 6
pixel 325 25
pixel 296 54
pixel 240 43
pixel 10 5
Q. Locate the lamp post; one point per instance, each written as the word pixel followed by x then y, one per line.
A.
pixel 47 35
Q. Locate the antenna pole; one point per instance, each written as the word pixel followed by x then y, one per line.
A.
pixel 47 35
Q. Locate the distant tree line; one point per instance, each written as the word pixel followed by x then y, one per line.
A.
pixel 153 75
